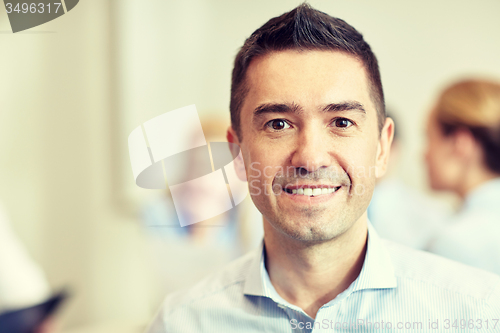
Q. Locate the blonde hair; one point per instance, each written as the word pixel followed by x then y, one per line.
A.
pixel 473 105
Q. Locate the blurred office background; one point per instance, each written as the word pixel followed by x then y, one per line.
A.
pixel 73 89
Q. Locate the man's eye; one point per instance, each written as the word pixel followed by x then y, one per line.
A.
pixel 342 123
pixel 278 124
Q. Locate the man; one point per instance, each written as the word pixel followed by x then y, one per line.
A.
pixel 307 110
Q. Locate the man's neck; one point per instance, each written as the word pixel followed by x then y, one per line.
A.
pixel 310 276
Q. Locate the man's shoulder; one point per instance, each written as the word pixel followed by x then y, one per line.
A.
pixel 419 267
pixel 215 285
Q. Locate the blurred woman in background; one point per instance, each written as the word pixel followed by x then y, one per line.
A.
pixel 463 156
pixel 400 212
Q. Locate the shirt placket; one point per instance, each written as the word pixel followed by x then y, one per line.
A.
pixel 326 319
pixel 297 319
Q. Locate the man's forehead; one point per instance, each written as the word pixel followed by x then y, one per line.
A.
pixel 280 72
pixel 297 55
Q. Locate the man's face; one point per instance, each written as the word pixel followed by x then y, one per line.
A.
pixel 310 142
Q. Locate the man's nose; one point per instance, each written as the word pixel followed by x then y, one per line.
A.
pixel 312 149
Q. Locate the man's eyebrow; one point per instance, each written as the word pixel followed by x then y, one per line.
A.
pixel 345 106
pixel 276 108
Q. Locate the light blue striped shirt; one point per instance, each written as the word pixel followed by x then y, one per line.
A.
pixel 398 290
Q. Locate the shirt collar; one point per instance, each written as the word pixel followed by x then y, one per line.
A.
pixel 377 271
pixel 254 284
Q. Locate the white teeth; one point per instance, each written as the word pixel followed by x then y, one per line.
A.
pixel 314 191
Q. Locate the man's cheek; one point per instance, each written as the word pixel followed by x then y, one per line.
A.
pixel 255 188
pixel 268 172
pixel 363 167
pixel 255 170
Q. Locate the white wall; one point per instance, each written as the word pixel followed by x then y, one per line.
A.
pixel 56 165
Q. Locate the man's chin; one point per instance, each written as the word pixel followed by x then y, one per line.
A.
pixel 310 229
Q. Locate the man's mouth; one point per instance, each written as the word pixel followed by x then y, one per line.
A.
pixel 311 191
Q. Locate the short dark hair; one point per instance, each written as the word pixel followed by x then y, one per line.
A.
pixel 303 28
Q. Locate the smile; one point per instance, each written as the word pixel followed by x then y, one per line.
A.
pixel 311 191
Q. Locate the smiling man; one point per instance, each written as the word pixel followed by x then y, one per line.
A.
pixel 307 110
pixel 312 132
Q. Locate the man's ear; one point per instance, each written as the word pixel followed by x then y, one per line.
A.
pixel 235 147
pixel 384 147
